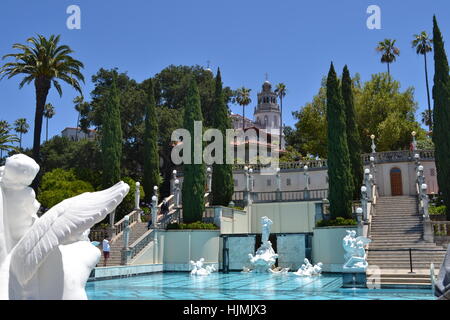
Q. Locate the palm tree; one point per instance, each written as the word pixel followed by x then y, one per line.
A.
pixel 243 99
pixel 43 61
pixel 423 45
pixel 49 112
pixel 21 126
pixel 389 51
pixel 6 139
pixel 79 104
pixel 281 92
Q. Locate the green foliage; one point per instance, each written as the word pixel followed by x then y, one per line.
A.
pixel 290 155
pixel 222 176
pixel 339 221
pixel 111 140
pixel 193 188
pixel 441 116
pixel 339 168
pixel 192 226
pixel 58 185
pixel 151 156
pixel 381 109
pixel 437 210
pixel 353 139
pixel 425 143
pixel 127 204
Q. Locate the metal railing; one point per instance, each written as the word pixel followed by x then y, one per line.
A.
pixel 141 243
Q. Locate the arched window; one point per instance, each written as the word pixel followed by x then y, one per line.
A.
pixel 266 120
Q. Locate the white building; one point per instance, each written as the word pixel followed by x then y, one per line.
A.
pixel 76 134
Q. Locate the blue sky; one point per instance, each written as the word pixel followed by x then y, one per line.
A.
pixel 291 40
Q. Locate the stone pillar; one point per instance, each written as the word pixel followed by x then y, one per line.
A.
pixel 174 178
pixel 305 168
pixel 125 254
pixel 154 211
pixel 278 192
pixel 367 184
pixel 318 212
pixel 218 214
pixel 208 179
pixel 364 201
pixel 137 196
pixel 250 181
pixel 112 228
pixel 176 192
pixel 359 218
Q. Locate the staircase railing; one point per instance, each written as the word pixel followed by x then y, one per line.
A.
pixel 141 243
pixel 133 217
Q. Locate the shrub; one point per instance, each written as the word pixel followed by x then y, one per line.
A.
pixel 58 185
pixel 339 221
pixel 193 226
pixel 437 210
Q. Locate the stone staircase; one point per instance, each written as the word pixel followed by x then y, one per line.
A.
pixel 115 256
pixel 397 224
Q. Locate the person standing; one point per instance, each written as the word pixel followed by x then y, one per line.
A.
pixel 106 250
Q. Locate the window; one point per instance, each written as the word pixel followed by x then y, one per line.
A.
pixel 288 181
pixel 269 182
pixel 235 182
pixel 432 172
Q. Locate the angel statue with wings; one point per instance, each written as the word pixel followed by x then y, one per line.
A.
pixel 49 257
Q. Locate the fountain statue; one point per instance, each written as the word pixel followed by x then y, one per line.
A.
pixel 49 257
pixel 355 255
pixel 265 256
pixel 307 269
pixel 442 285
pixel 199 270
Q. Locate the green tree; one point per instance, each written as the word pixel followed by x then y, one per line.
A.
pixel 151 156
pixel 339 167
pixel 281 93
pixel 423 44
pixel 441 115
pixel 21 127
pixel 222 175
pixel 111 140
pixel 243 99
pixel 6 139
pixel 353 139
pixel 193 189
pixel 58 185
pixel 43 62
pixel 388 52
pixel 49 112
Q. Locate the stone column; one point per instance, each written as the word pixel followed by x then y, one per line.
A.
pixel 209 179
pixel 177 192
pixel 367 183
pixel 359 217
pixel 247 186
pixel 154 211
pixel 364 201
pixel 137 196
pixel 126 238
pixel 278 192
pixel 305 168
pixel 174 178
pixel 250 181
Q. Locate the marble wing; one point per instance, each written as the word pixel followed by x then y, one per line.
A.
pixel 62 224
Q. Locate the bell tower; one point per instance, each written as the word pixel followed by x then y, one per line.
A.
pixel 267 112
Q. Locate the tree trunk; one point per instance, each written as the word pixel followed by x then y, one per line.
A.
pixel 42 86
pixel 78 123
pixel 46 130
pixel 389 71
pixel 20 142
pixel 243 118
pixel 281 119
pixel 430 116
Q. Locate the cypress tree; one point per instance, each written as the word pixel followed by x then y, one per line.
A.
pixel 353 139
pixel 339 168
pixel 193 190
pixel 441 115
pixel 151 156
pixel 111 142
pixel 222 177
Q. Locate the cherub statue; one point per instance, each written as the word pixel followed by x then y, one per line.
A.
pixel 198 268
pixel 48 257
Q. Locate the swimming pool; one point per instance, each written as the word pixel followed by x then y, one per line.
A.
pixel 240 286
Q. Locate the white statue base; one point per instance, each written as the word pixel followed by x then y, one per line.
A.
pixel 308 270
pixel 264 258
pixel 355 266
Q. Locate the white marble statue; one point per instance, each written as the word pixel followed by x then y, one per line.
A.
pixel 199 270
pixel 265 256
pixel 355 255
pixel 308 270
pixel 49 257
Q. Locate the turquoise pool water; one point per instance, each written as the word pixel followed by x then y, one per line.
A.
pixel 239 286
